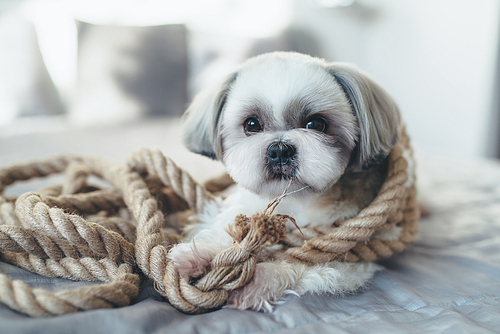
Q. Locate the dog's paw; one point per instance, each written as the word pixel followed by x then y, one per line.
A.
pixel 270 283
pixel 192 259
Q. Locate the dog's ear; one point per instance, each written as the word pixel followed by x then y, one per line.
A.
pixel 377 113
pixel 201 120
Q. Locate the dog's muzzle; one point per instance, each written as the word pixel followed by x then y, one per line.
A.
pixel 281 160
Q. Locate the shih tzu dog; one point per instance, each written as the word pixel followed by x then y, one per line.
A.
pixel 289 120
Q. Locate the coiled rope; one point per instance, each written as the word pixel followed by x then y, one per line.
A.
pixel 79 232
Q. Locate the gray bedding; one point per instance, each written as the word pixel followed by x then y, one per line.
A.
pixel 447 282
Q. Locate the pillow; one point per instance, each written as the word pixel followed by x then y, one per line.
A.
pixel 128 72
pixel 26 88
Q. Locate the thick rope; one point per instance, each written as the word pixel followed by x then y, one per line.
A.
pixel 31 209
pixel 386 208
pixel 34 169
pixel 79 232
pixel 155 163
pixel 39 302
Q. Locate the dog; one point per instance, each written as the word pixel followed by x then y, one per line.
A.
pixel 288 121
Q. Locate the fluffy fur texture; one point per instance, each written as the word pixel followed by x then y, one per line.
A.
pixel 274 280
pixel 280 119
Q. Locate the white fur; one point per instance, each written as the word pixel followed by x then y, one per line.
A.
pixel 305 210
pixel 284 91
pixel 320 165
pixel 392 233
pixel 192 259
pixel 410 169
pixel 274 280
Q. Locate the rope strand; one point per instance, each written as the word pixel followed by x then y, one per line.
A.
pixel 79 232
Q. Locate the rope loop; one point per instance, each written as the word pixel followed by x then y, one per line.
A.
pixel 78 231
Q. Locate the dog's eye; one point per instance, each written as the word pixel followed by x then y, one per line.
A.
pixel 252 125
pixel 317 124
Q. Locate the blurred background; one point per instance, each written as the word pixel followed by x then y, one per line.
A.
pixel 79 64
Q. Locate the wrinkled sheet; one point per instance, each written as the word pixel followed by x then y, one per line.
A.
pixel 447 282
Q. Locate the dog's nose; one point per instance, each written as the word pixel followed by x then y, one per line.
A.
pixel 280 153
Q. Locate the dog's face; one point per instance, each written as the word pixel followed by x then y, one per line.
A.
pixel 286 117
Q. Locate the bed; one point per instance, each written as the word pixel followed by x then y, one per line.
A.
pixel 447 282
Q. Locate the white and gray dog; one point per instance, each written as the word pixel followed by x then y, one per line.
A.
pixel 287 119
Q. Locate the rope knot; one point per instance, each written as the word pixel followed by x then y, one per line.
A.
pixel 258 231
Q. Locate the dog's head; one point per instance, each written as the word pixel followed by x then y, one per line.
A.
pixel 284 116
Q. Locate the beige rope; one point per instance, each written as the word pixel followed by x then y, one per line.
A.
pixel 97 242
pixel 53 255
pixel 87 235
pixel 155 163
pixel 34 169
pixel 387 207
pixel 39 302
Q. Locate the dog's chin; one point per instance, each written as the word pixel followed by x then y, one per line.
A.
pixel 272 188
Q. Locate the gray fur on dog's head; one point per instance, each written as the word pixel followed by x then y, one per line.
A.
pixel 202 127
pixel 377 113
